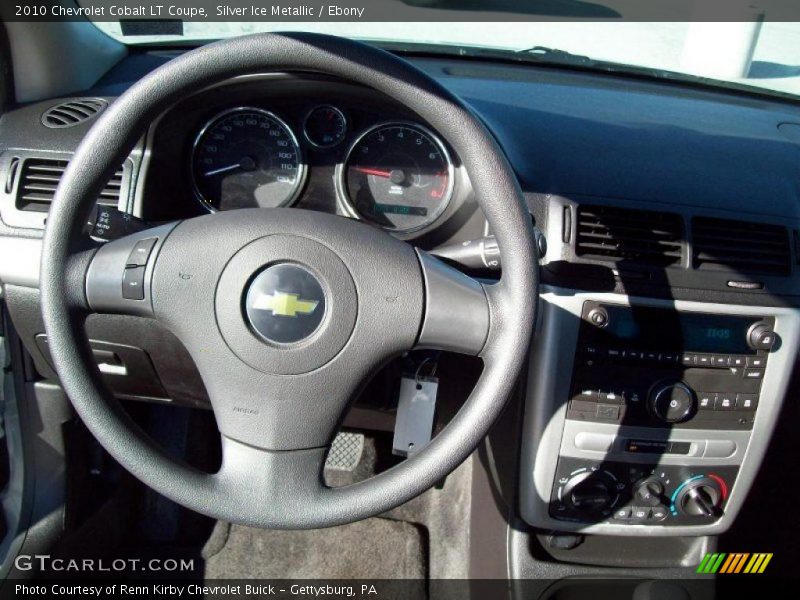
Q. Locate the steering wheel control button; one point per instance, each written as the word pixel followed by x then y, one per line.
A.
pixel 285 304
pixel 141 252
pixel 133 283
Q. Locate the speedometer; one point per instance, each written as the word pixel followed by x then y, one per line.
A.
pixel 247 157
pixel 398 176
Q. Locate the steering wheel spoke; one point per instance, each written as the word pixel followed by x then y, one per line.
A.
pixel 118 277
pixel 457 316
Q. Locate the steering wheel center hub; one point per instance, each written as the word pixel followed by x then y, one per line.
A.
pixel 286 304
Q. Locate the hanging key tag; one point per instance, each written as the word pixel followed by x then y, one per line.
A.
pixel 415 412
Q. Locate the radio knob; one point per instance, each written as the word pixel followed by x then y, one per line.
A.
pixel 672 402
pixel 761 337
pixel 588 493
pixel 700 498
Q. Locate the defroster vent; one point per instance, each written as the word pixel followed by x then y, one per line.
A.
pixel 636 236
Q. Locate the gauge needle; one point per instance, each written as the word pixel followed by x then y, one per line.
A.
pixel 376 172
pixel 222 170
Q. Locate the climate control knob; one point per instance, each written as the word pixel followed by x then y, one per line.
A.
pixel 589 492
pixel 672 402
pixel 700 497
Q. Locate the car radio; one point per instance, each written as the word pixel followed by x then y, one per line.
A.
pixel 679 391
pixel 651 367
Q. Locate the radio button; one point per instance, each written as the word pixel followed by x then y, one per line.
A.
pixel 725 402
pixel 659 513
pixel 634 355
pixel 746 401
pixel 622 514
pixel 757 362
pixel 651 356
pixel 669 358
pixel 721 360
pixel 754 373
pixel 612 398
pixel 607 411
pixel 706 400
pixel 737 361
pixel 614 353
pixel 688 359
pixel 704 360
pixel 584 394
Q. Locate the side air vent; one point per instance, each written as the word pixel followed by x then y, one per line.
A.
pixel 636 236
pixel 69 114
pixel 39 179
pixel 743 247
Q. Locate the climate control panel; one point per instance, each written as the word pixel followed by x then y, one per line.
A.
pixel 639 494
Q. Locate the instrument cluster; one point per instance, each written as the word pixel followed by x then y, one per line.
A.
pixel 396 174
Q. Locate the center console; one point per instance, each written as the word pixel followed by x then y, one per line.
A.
pixel 649 417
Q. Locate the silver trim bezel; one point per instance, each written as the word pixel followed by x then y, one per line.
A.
pixel 545 423
pixel 341 170
pixel 325 146
pixel 301 163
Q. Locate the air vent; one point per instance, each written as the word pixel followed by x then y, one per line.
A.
pixel 40 177
pixel 743 247
pixel 636 236
pixel 69 114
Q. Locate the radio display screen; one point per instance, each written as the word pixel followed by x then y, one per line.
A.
pixel 656 328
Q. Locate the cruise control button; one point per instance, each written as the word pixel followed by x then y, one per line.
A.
pixel 141 252
pixel 133 283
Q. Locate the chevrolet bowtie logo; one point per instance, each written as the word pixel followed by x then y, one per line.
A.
pixel 284 305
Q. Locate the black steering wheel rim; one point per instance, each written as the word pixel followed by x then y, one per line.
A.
pixel 255 487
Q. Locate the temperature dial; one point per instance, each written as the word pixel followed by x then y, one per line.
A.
pixel 701 496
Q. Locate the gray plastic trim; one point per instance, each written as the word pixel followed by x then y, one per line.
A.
pixel 19 261
pixel 456 309
pixel 545 427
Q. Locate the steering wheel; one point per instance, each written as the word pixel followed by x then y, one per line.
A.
pixel 227 284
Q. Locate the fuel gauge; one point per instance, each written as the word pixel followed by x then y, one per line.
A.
pixel 325 126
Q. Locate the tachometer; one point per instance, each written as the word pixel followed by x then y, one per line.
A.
pixel 398 176
pixel 247 157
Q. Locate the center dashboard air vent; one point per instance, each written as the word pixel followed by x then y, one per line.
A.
pixel 617 234
pixel 69 114
pixel 39 178
pixel 739 246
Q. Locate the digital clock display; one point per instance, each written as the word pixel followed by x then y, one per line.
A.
pixel 652 327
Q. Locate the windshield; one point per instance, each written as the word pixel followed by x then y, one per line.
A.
pixel 761 55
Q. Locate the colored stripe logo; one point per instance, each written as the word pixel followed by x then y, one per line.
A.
pixel 735 562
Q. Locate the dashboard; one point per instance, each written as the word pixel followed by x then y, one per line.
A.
pixel 673 211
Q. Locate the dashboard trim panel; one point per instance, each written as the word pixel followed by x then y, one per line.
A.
pixel 545 421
